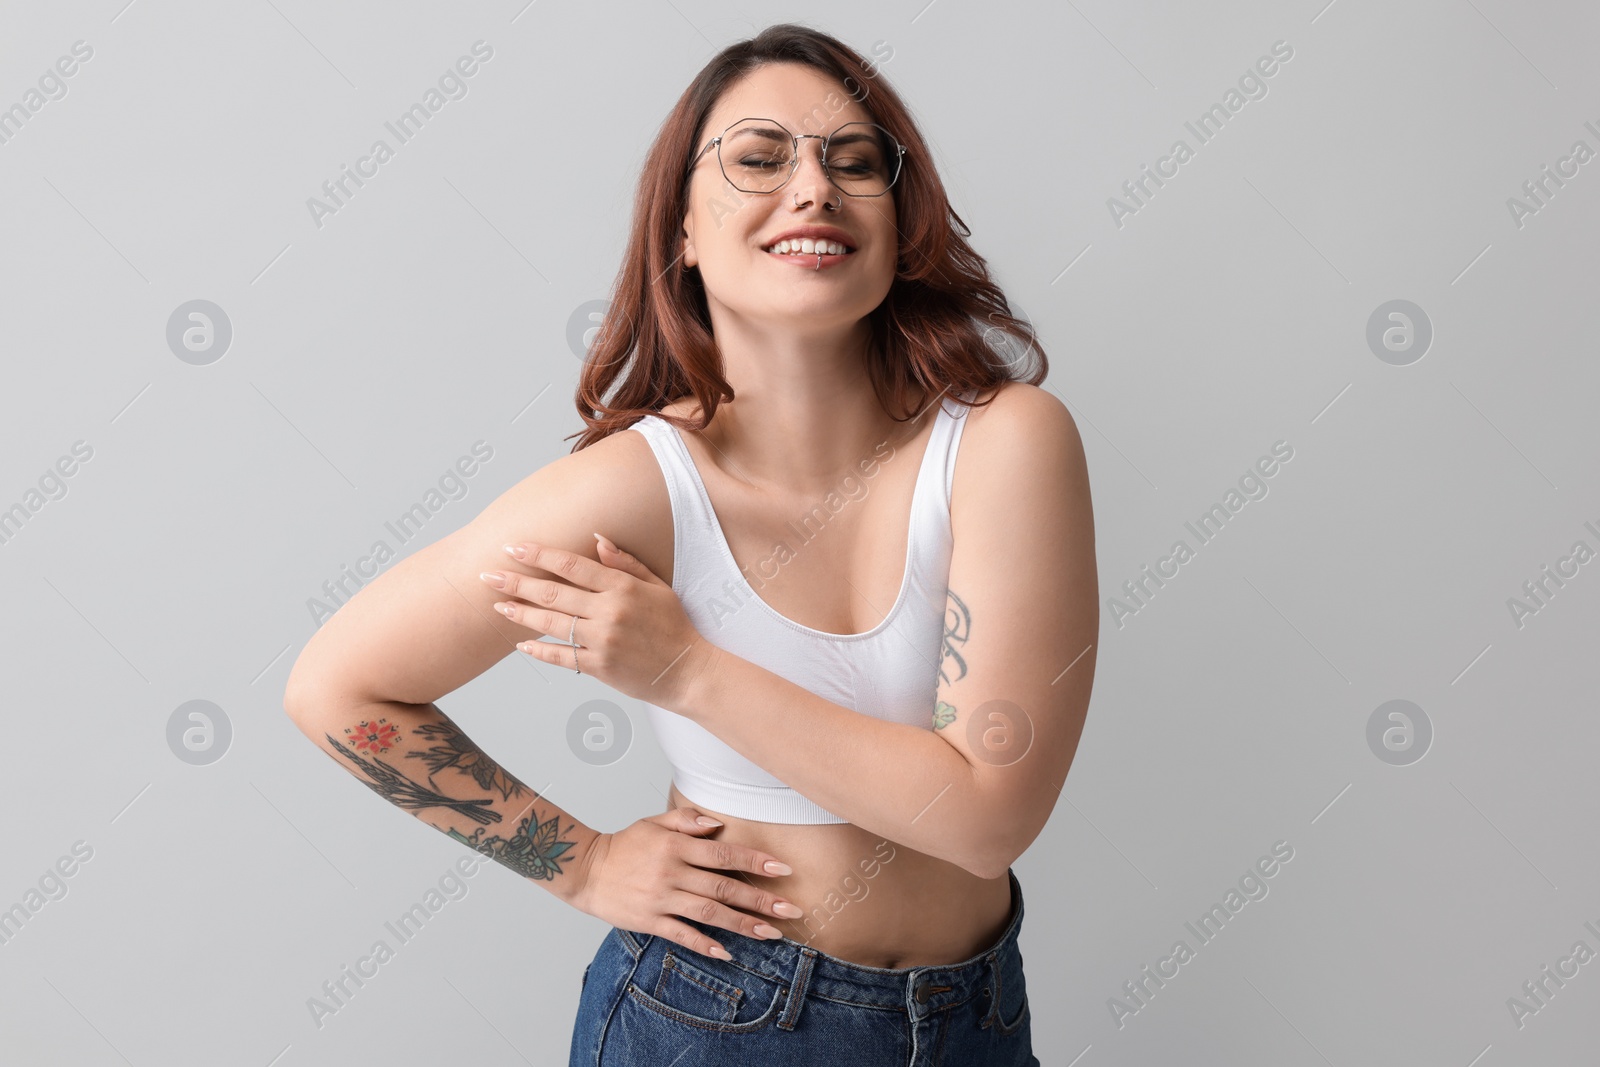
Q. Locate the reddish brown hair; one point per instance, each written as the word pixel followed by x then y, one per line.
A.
pixel 941 328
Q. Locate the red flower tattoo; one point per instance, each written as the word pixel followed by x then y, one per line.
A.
pixel 374 737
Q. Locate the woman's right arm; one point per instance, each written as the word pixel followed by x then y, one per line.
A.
pixel 364 691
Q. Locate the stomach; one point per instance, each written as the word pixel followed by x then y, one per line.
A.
pixel 866 899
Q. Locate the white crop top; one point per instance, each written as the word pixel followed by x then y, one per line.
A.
pixel 890 672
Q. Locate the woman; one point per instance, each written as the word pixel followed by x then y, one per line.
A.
pixel 868 663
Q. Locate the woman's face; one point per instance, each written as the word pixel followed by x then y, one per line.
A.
pixel 727 232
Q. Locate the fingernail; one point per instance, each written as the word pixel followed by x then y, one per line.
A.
pixel 515 551
pixel 706 820
pixel 787 910
pixel 720 952
pixel 763 930
pixel 774 867
pixel 494 578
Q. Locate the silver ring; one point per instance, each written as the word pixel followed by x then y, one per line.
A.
pixel 572 639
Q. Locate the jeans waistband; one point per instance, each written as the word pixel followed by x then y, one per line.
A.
pixel 921 990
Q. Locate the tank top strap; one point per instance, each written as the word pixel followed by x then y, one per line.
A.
pixel 692 518
pixel 943 444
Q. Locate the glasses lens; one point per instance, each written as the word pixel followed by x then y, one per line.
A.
pixel 757 156
pixel 863 159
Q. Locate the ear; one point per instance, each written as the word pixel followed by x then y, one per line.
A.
pixel 689 257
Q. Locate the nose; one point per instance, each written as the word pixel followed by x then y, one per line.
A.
pixel 810 182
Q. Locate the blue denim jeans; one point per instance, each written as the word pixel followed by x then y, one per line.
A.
pixel 646 1000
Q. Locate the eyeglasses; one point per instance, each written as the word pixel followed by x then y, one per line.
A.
pixel 761 155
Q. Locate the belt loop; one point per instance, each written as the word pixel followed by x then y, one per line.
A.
pixel 798 985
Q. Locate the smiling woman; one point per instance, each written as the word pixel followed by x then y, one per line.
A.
pixel 864 738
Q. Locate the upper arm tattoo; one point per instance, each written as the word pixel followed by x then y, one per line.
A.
pixel 957 629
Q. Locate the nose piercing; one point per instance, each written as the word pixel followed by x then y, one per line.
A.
pixel 832 207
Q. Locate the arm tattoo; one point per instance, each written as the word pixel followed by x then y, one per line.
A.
pixel 460 752
pixel 957 628
pixel 536 850
pixel 390 784
pixel 532 852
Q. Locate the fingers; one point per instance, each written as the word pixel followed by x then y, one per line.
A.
pixel 735 904
pixel 570 566
pixel 714 913
pixel 722 856
pixel 687 820
pixel 616 558
pixel 690 938
pixel 538 593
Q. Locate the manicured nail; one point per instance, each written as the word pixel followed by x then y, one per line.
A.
pixel 763 930
pixel 774 867
pixel 787 910
pixel 515 551
pixel 706 820
pixel 494 578
pixel 720 952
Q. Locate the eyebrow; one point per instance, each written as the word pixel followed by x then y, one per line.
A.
pixel 762 131
pixel 779 135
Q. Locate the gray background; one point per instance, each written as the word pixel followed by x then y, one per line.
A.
pixel 1231 312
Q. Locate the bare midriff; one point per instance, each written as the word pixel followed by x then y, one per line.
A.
pixel 866 899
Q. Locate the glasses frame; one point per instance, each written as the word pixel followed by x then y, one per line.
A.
pixel 794 162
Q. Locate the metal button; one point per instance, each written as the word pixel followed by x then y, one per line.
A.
pixel 925 991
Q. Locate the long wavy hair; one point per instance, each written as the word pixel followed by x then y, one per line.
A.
pixel 944 326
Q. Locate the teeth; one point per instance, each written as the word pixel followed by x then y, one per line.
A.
pixel 807 246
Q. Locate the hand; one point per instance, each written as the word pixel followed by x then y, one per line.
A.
pixel 640 877
pixel 632 632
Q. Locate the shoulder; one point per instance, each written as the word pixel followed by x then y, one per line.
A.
pixel 1022 424
pixel 1020 474
pixel 614 487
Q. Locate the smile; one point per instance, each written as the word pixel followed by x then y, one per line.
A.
pixel 807 246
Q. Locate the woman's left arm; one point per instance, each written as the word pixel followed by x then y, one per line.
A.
pixel 1022 617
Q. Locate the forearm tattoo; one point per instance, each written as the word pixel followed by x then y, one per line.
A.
pixel 533 852
pixel 390 784
pixel 537 848
pixel 459 751
pixel 957 629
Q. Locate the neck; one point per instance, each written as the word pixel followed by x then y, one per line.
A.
pixel 805 413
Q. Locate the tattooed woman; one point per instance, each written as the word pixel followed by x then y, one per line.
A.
pixel 845 561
